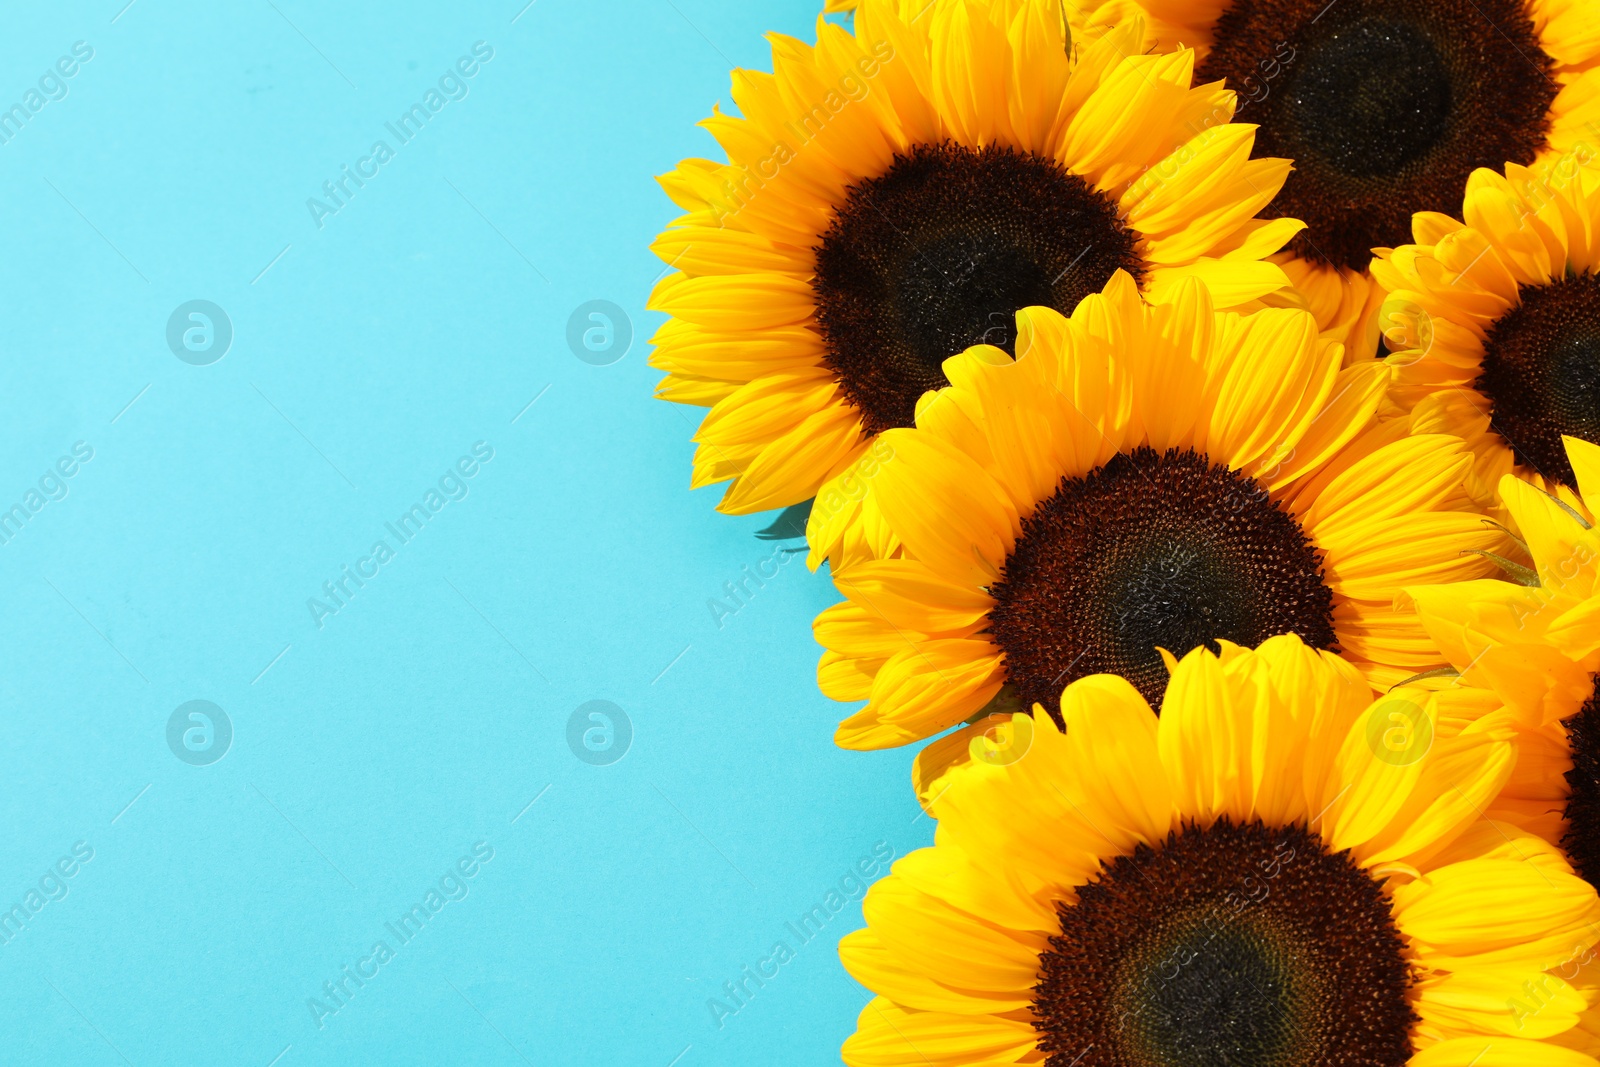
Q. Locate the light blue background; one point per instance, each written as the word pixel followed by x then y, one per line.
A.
pixel 371 753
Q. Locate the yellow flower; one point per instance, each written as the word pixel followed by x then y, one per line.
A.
pixel 1386 107
pixel 1141 480
pixel 1495 323
pixel 1250 878
pixel 894 194
pixel 1532 646
pixel 1534 641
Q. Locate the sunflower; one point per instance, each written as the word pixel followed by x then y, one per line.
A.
pixel 1254 877
pixel 1386 107
pixel 1495 322
pixel 894 194
pixel 1531 644
pixel 1141 480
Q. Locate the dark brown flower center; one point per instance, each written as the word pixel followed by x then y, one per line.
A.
pixel 1152 551
pixel 1541 372
pixel 940 252
pixel 1385 106
pixel 1581 838
pixel 1232 946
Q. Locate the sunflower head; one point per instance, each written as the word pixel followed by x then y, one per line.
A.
pixel 1141 481
pixel 897 192
pixel 1386 107
pixel 1494 322
pixel 1529 642
pixel 1257 876
pixel 1532 636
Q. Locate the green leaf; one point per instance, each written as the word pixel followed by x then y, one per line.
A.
pixel 789 524
pixel 1507 531
pixel 1520 574
pixel 1570 510
pixel 1437 672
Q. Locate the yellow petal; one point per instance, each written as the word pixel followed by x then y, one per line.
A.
pixel 1498 1052
pixel 890 1036
pixel 935 939
pixel 945 508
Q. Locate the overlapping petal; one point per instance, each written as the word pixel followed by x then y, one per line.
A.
pixel 1260 393
pixel 1486 913
pixel 974 73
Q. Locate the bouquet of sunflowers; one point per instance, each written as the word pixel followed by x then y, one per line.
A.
pixel 1198 404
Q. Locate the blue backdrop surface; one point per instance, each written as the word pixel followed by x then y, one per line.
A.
pixel 318 541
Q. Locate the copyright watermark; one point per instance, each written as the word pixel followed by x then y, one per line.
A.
pixel 1399 731
pixel 199 733
pixel 1004 741
pixel 599 732
pixel 599 333
pixel 199 332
